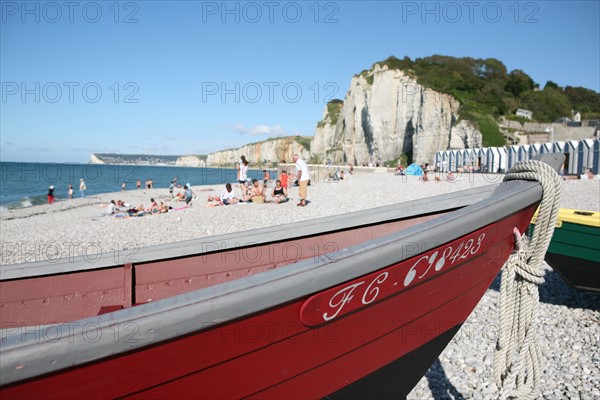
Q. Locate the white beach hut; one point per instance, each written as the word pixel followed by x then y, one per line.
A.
pixel 572 155
pixel 596 157
pixel 512 154
pixel 585 156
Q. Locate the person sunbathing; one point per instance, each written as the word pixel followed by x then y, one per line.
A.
pixel 153 208
pixel 256 194
pixel 279 193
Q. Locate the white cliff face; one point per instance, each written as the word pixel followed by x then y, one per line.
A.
pixel 190 161
pixel 386 113
pixel 270 151
pixel 95 160
pixel 465 136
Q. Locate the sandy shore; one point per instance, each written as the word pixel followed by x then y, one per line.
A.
pixel 570 329
pixel 78 226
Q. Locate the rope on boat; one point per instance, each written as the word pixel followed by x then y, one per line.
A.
pixel 518 359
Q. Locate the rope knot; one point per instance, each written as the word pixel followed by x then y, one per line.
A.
pixel 518 360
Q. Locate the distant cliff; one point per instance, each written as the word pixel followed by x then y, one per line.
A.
pixel 191 161
pixel 132 159
pixel 386 113
pixel 267 151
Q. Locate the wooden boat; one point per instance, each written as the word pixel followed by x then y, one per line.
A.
pixel 350 306
pixel 574 251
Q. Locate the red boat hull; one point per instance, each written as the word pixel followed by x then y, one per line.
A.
pixel 284 352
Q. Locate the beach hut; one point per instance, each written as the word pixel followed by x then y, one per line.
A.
pixel 523 152
pixel 534 150
pixel 446 160
pixel 546 148
pixel 512 154
pixel 571 153
pixel 474 159
pixel 585 156
pixel 439 155
pixel 496 160
pixel 596 157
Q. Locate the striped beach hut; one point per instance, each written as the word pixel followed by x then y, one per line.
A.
pixel 534 150
pixel 512 155
pixel 558 147
pixel 496 159
pixel 546 148
pixel 481 154
pixel 523 152
pixel 585 156
pixel 572 155
pixel 596 157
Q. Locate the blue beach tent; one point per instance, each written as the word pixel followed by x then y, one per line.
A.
pixel 414 169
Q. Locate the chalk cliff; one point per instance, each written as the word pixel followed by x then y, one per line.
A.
pixel 386 113
pixel 272 150
pixel 190 161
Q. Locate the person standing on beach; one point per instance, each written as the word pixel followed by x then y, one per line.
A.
pixel 138 184
pixel 284 178
pixel 243 173
pixel 188 195
pixel 70 191
pixel 303 178
pixel 82 187
pixel 51 194
pixel 123 187
pixel 239 166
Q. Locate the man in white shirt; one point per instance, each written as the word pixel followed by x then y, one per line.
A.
pixel 303 176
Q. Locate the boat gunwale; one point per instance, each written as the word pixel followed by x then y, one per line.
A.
pixel 176 316
pixel 259 236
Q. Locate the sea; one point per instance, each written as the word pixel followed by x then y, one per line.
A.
pixel 24 184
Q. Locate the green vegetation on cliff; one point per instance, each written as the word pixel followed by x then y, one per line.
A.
pixel 486 91
pixel 334 107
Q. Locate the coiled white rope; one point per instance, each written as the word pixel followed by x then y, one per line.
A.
pixel 518 360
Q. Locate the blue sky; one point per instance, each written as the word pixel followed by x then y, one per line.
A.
pixel 192 77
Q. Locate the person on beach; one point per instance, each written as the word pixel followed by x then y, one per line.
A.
pixel 153 208
pixel 70 191
pixel 171 188
pixel 279 193
pixel 239 165
pixel 266 177
pixel 138 184
pixel 257 193
pixel 243 172
pixel 123 187
pixel 227 196
pixel 82 187
pixel 284 178
pixel 51 195
pixel 151 184
pixel 188 195
pixel 110 209
pixel 351 169
pixel 450 176
pixel 303 178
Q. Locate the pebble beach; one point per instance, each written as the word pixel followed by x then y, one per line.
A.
pixel 569 320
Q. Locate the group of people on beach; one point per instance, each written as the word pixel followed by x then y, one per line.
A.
pixel 82 189
pixel 254 191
